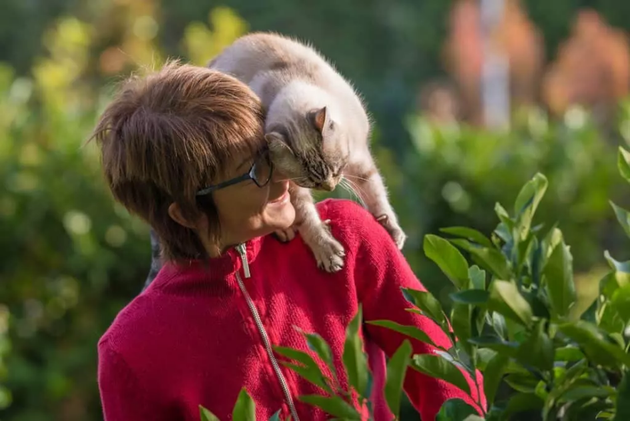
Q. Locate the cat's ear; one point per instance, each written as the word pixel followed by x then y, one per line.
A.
pixel 318 118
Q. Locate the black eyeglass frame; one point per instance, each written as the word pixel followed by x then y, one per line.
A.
pixel 249 175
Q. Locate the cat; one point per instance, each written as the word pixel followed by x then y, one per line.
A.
pixel 317 130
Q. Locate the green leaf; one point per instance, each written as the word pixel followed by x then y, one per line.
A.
pixel 276 416
pixel 206 415
pixel 484 356
pixel 469 234
pixel 558 275
pixel 492 376
pixel 491 259
pixel 537 350
pixel 333 405
pixel 427 303
pixel 527 202
pixel 522 382
pixel 622 408
pixel 623 163
pixel 619 278
pixel 594 344
pixel 568 353
pixel 623 217
pixel 455 410
pixel 471 296
pixel 319 345
pixel 551 241
pixel 621 302
pixel 309 369
pixel 496 344
pixel 499 325
pixel 410 331
pixel 354 359
pixel 448 258
pixel 577 392
pixel 477 276
pixel 520 402
pixel 245 408
pixel 438 367
pixel 504 217
pixel 462 325
pixel 507 300
pixel 396 369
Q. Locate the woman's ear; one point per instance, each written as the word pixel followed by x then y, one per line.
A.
pixel 175 212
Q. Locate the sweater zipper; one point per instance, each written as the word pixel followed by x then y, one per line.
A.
pixel 261 329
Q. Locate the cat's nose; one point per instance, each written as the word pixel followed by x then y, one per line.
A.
pixel 328 185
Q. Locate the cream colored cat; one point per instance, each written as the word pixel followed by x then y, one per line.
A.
pixel 318 132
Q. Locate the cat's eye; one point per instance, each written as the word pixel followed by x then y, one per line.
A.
pixel 331 125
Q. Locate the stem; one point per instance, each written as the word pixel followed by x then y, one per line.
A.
pixel 473 376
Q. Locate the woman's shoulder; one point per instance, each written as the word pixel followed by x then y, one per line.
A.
pixel 350 221
pixel 343 210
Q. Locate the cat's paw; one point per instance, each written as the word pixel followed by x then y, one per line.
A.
pixel 285 235
pixel 394 230
pixel 328 252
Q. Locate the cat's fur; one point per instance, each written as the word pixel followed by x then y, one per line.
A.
pixel 317 130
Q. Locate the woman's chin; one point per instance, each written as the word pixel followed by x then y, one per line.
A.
pixel 280 215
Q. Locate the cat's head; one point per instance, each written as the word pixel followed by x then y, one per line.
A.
pixel 309 149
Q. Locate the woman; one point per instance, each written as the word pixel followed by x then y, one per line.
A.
pixel 183 148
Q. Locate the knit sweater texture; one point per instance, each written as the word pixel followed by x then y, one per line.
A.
pixel 192 338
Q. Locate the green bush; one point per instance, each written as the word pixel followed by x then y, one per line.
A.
pixel 454 174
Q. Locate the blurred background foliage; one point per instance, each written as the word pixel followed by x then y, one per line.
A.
pixel 71 259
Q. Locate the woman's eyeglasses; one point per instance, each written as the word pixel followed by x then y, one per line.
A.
pixel 260 172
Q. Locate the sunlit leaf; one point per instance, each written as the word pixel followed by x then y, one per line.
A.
pixel 333 405
pixel 527 202
pixel 245 408
pixel 319 345
pixel 594 344
pixel 410 331
pixel 308 369
pixel 427 303
pixel 469 234
pixel 448 258
pixel 438 367
pixel 477 276
pixel 489 258
pixel 559 280
pixel 206 415
pixel 507 300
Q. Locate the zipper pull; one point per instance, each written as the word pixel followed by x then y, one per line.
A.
pixel 241 250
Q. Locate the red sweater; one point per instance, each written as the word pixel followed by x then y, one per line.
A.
pixel 192 337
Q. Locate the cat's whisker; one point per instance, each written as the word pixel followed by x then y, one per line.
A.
pixel 353 188
pixel 356 177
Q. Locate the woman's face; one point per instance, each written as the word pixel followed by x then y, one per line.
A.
pixel 246 210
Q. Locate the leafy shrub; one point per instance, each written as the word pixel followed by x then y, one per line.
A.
pixel 453 175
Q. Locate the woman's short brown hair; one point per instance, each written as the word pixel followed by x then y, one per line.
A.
pixel 168 134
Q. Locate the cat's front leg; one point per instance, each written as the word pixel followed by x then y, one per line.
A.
pixel 371 190
pixel 328 252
